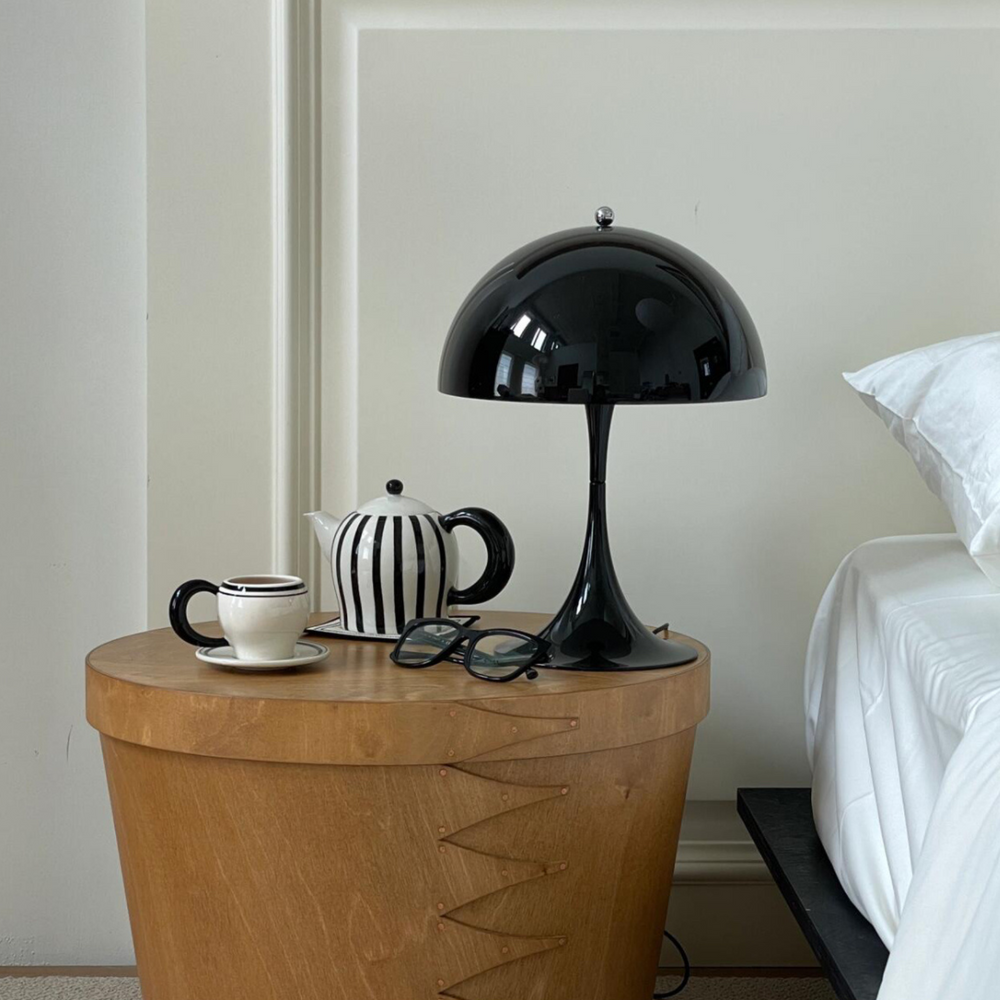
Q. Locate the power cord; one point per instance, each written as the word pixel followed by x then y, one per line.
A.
pixel 687 969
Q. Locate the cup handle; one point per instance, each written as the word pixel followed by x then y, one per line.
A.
pixel 499 554
pixel 178 613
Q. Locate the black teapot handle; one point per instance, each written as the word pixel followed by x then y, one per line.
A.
pixel 499 554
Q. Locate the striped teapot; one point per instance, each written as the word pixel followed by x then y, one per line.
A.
pixel 395 559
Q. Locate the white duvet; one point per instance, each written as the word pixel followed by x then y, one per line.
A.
pixel 903 731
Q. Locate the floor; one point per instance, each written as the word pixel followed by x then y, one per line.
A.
pixel 700 988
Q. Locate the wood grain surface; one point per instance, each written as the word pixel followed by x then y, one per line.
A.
pixel 541 879
pixel 357 707
pixel 364 831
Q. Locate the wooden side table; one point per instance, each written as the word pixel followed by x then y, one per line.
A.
pixel 356 831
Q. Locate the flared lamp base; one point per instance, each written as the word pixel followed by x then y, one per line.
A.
pixel 596 629
pixel 621 643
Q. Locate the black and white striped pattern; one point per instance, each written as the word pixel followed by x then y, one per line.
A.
pixel 389 569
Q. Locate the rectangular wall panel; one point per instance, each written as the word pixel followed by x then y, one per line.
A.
pixel 843 181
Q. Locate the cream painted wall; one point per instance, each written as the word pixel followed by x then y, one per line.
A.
pixel 72 454
pixel 840 184
pixel 211 352
pixel 843 181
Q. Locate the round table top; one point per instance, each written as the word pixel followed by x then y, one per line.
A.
pixel 357 707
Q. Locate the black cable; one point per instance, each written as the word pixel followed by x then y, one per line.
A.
pixel 687 969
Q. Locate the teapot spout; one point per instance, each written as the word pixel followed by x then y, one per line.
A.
pixel 325 525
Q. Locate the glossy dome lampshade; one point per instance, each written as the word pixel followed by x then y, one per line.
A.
pixel 603 316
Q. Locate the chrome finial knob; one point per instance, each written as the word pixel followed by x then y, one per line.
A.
pixel 604 216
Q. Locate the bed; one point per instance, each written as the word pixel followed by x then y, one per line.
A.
pixel 903 731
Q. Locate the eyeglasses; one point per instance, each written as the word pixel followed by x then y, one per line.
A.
pixel 495 654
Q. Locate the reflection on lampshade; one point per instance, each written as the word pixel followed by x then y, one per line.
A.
pixel 603 316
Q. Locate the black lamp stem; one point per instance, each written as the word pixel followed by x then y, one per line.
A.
pixel 598 432
pixel 596 629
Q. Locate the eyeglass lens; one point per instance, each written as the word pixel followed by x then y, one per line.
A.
pixel 426 642
pixel 498 655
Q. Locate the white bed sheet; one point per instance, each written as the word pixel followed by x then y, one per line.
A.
pixel 903 732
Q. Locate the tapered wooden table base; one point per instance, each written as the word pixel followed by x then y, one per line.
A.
pixel 524 853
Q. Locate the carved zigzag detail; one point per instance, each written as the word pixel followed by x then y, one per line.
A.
pixel 466 799
pixel 468 951
pixel 467 875
pixel 466 731
pixel 463 875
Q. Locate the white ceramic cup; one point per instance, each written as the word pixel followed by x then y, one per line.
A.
pixel 261 616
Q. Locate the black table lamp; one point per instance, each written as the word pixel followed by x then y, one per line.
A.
pixel 602 316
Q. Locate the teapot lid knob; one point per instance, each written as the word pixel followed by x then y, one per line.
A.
pixel 394 487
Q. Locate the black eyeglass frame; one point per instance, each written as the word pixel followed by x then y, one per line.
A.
pixel 470 636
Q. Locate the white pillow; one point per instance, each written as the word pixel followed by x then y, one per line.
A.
pixel 942 404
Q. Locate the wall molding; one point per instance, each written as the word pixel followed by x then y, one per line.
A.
pixel 719 862
pixel 715 848
pixel 684 15
pixel 296 257
pixel 344 23
pixel 725 907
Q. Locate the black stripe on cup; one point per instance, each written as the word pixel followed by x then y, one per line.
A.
pixel 397 574
pixel 441 564
pixel 337 572
pixel 259 590
pixel 377 576
pixel 418 538
pixel 359 618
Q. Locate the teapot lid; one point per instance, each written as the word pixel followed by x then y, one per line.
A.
pixel 394 504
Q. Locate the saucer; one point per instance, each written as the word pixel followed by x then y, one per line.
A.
pixel 224 656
